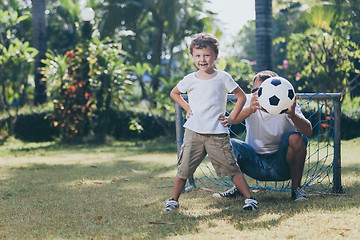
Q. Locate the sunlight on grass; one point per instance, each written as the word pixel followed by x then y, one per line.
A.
pixel 118 191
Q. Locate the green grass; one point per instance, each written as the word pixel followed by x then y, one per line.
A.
pixel 52 191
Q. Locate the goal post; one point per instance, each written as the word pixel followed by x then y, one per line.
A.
pixel 322 170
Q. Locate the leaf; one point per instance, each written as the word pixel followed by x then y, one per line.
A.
pixel 22 18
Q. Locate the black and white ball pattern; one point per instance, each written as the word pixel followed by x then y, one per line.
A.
pixel 276 95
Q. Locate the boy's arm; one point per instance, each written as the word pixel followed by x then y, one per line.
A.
pixel 175 94
pixel 241 99
pixel 244 113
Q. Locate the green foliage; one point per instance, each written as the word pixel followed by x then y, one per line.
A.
pixel 321 61
pixel 15 65
pixel 241 71
pixel 350 107
pixel 316 44
pixel 109 80
pixel 62 29
pixel 320 16
pixel 85 84
pixel 55 71
pixel 35 127
pixel 164 103
pixel 74 99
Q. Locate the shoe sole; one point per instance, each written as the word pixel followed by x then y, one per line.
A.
pixel 169 210
pixel 216 195
pixel 301 199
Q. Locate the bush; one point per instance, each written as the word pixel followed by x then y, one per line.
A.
pixel 349 127
pixel 35 127
pixel 149 126
pixel 124 125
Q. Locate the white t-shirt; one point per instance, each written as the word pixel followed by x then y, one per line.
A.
pixel 207 100
pixel 264 131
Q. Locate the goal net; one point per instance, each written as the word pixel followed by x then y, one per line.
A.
pixel 322 170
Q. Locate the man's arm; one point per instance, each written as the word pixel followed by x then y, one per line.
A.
pixel 175 94
pixel 302 124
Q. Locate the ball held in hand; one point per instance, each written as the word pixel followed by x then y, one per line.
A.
pixel 276 95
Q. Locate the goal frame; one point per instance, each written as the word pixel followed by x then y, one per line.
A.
pixel 336 164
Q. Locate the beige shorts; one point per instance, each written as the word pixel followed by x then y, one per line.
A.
pixel 195 148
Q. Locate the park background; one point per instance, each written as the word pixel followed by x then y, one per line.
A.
pixel 83 90
pixel 67 79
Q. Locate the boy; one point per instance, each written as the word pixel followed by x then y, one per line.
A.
pixel 204 134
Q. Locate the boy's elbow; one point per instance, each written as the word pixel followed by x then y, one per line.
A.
pixel 172 94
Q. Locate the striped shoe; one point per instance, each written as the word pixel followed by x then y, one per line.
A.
pixel 250 204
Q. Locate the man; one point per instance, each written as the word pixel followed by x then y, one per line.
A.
pixel 275 145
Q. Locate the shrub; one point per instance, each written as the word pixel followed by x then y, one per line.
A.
pixel 124 125
pixel 35 127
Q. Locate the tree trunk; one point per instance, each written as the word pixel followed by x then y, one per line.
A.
pixel 157 53
pixel 39 41
pixel 264 58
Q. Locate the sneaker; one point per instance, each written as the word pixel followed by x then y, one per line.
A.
pixel 299 195
pixel 250 204
pixel 231 193
pixel 171 205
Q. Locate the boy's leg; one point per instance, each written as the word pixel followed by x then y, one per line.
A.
pixel 191 154
pixel 179 185
pixel 241 185
pixel 173 203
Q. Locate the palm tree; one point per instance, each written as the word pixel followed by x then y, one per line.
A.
pixel 264 58
pixel 39 41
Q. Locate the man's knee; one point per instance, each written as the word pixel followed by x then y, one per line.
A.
pixel 296 142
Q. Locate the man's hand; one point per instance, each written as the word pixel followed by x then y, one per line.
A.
pixel 254 104
pixel 291 111
pixel 302 124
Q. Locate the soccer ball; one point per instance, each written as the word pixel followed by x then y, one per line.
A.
pixel 276 95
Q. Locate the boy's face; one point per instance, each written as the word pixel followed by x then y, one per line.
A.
pixel 204 59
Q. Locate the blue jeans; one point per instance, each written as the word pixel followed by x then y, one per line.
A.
pixel 264 167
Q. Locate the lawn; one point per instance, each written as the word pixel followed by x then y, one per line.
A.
pixel 118 191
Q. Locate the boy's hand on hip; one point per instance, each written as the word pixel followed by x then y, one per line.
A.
pixel 225 121
pixel 189 114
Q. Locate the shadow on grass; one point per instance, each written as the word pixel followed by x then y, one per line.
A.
pixel 119 199
pixel 280 206
pixel 125 199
